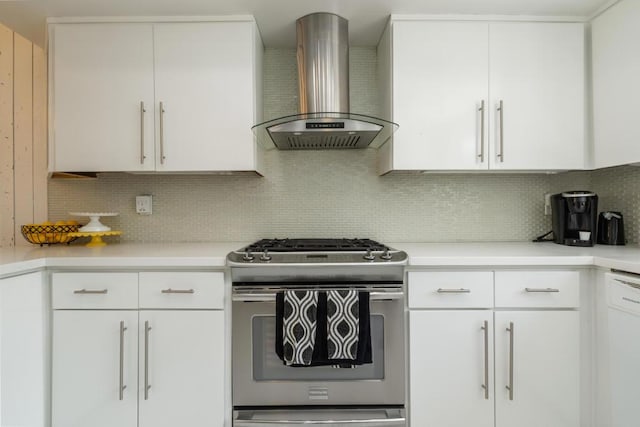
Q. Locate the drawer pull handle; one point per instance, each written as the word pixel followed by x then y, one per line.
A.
pixel 632 284
pixel 500 109
pixel 511 338
pixel 485 386
pixel 121 371
pixel 542 290
pixel 481 154
pixel 142 111
pixel 147 386
pixel 178 291
pixel 91 291
pixel 162 111
pixel 454 291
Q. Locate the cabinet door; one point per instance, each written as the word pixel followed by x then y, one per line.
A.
pixel 182 363
pixel 204 80
pixel 89 352
pixel 449 363
pixel 24 352
pixel 537 71
pixel 616 93
pixel 100 75
pixel 440 82
pixel 546 364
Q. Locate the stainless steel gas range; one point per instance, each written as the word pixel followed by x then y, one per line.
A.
pixel 349 278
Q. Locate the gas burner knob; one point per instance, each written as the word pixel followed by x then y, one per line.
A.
pixel 248 256
pixel 369 256
pixel 265 256
pixel 386 255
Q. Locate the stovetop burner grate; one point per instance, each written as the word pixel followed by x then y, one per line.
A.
pixel 315 245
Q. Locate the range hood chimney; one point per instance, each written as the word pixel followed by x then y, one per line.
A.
pixel 325 120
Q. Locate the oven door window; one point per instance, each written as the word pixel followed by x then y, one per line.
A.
pixel 268 367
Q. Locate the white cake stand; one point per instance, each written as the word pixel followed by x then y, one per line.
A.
pixel 94 224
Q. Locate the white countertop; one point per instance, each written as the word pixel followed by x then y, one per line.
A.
pixel 520 254
pixel 171 255
pixel 625 258
pixel 213 255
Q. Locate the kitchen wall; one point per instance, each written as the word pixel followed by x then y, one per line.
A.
pixel 330 193
pixel 619 190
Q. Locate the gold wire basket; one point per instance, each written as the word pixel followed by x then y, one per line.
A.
pixel 41 234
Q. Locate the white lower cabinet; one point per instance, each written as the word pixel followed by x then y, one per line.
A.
pixel 159 367
pixel 90 349
pixel 448 369
pixel 182 365
pixel 24 351
pixel 545 362
pixel 529 335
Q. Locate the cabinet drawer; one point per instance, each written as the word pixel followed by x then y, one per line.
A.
pixel 94 290
pixel 537 289
pixel 182 290
pixel 435 289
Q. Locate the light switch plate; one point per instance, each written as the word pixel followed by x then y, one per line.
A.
pixel 144 205
pixel 547 204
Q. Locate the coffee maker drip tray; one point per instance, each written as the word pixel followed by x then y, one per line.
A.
pixel 577 242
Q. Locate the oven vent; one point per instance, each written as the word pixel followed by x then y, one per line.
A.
pixel 323 78
pixel 315 142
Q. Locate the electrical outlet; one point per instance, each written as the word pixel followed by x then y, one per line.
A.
pixel 144 205
pixel 547 204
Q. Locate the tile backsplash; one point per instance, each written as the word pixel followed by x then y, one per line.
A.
pixel 336 193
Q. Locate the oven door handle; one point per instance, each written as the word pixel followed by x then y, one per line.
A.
pixel 270 296
pixel 392 418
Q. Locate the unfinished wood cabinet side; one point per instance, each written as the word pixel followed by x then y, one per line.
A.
pixel 22 133
pixel 40 171
pixel 6 138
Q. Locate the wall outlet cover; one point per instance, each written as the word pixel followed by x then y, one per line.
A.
pixel 144 205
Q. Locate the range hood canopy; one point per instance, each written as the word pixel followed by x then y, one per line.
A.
pixel 324 121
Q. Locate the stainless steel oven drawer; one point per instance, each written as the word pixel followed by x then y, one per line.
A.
pixel 366 417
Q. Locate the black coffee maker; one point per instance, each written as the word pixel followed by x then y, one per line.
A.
pixel 574 218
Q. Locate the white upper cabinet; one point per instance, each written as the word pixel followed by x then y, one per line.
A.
pixel 100 75
pixel 616 93
pixel 441 75
pixel 167 97
pixel 444 82
pixel 537 73
pixel 203 78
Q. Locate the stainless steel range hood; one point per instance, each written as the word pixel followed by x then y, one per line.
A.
pixel 324 121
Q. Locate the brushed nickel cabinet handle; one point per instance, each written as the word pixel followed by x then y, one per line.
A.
pixel 142 111
pixel 147 328
pixel 541 290
pixel 481 154
pixel 485 386
pixel 453 291
pixel 162 157
pixel 121 373
pixel 501 110
pixel 91 291
pixel 178 291
pixel 511 337
pixel 631 284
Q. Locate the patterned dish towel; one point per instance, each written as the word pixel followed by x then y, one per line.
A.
pixel 318 328
pixel 343 324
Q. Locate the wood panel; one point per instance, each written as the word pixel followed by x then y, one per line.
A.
pixel 40 210
pixel 6 137
pixel 23 133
